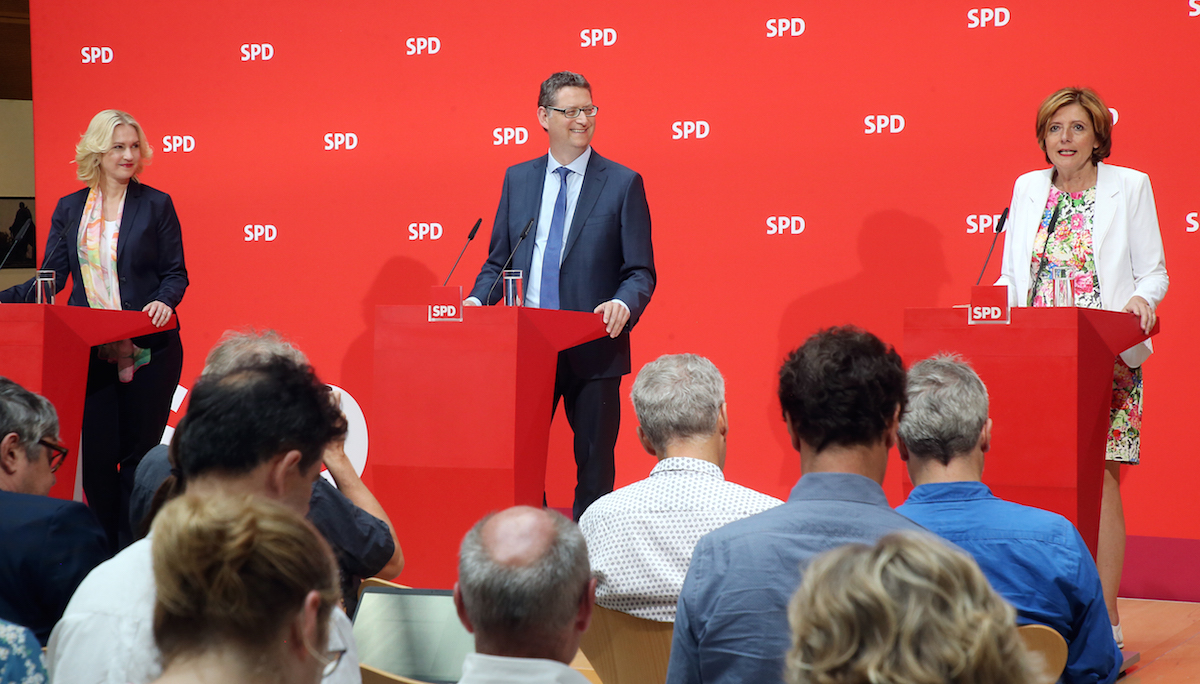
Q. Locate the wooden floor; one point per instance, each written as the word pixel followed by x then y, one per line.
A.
pixel 1167 634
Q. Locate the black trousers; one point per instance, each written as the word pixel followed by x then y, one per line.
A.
pixel 593 408
pixel 121 422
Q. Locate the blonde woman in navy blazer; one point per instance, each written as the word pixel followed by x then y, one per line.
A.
pixel 1125 253
pixel 121 420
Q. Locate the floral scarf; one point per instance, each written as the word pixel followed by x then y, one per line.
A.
pixel 98 271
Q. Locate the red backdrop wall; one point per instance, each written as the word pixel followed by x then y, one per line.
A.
pixel 889 218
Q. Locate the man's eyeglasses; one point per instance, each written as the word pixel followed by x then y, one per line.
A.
pixel 573 112
pixel 58 453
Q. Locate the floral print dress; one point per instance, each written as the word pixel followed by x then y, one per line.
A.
pixel 1070 245
pixel 20 656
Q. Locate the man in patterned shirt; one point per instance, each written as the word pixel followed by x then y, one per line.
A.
pixel 640 538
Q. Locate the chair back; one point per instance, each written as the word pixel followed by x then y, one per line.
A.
pixel 1052 648
pixel 625 649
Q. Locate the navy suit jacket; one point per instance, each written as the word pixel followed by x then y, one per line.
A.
pixel 608 254
pixel 150 262
pixel 48 546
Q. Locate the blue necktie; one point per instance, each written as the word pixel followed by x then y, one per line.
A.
pixel 548 296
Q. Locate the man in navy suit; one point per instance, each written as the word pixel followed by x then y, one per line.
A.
pixel 49 545
pixel 590 250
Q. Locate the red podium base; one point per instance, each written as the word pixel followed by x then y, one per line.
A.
pixel 1049 381
pixel 466 409
pixel 44 349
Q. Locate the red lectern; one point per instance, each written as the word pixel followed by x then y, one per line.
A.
pixel 44 349
pixel 465 409
pixel 1049 380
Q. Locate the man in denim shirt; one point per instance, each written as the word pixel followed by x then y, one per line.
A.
pixel 842 393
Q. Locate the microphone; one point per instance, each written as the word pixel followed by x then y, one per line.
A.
pixel 16 241
pixel 464 250
pixel 509 261
pixel 999 229
pixel 1045 259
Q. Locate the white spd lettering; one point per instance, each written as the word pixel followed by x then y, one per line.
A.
pixel 784 26
pixel 986 313
pixel 979 223
pixel 257 52
pixel 785 225
pixel 423 45
pixel 424 231
pixel 505 135
pixel 980 18
pixel 341 141
pixel 178 143
pixel 96 55
pixel 606 37
pixel 884 123
pixel 1193 219
pixel 682 130
pixel 256 232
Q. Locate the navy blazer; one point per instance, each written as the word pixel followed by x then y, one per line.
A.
pixel 150 263
pixel 608 254
pixel 49 546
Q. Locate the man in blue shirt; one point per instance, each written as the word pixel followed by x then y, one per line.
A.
pixel 1034 558
pixel 842 393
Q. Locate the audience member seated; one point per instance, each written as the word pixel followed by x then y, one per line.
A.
pixel 1034 558
pixel 348 515
pixel 259 430
pixel 245 590
pixel 908 610
pixel 525 591
pixel 640 538
pixel 20 655
pixel 841 393
pixel 47 545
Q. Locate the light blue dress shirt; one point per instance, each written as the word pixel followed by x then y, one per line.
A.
pixel 1033 558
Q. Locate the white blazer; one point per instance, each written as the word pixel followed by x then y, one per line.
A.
pixel 1126 243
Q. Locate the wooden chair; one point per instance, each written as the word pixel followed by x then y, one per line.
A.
pixel 376 582
pixel 1052 648
pixel 624 649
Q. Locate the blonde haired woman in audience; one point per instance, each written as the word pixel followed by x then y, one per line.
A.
pixel 245 587
pixel 908 610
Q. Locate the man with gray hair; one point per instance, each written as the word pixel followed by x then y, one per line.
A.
pixel 1034 558
pixel 49 545
pixel 524 590
pixel 641 537
pixel 349 516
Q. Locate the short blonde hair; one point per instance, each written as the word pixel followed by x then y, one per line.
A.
pixel 233 571
pixel 98 140
pixel 908 610
pixel 1087 98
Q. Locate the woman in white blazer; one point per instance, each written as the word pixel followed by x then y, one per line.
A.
pixel 1105 232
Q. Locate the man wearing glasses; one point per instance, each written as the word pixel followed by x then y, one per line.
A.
pixel 47 545
pixel 589 250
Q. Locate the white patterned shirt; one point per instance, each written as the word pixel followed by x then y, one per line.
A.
pixel 640 538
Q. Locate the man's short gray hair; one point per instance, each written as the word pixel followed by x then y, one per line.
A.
pixel 249 347
pixel 677 396
pixel 31 416
pixel 947 408
pixel 548 92
pixel 524 604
